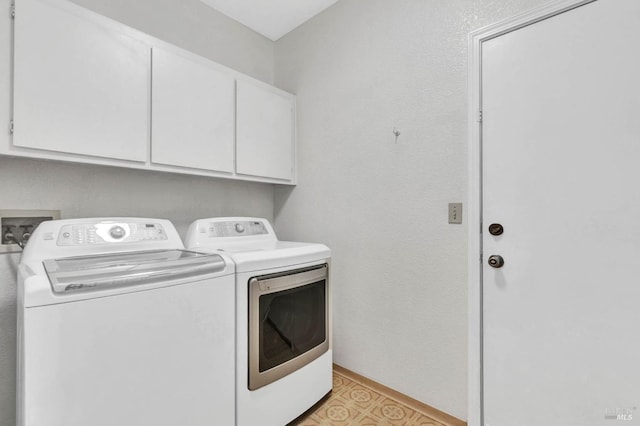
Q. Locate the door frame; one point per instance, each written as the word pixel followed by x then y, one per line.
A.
pixel 475 402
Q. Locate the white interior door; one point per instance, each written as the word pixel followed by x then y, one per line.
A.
pixel 561 173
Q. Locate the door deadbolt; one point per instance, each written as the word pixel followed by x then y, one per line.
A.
pixel 496 229
pixel 496 261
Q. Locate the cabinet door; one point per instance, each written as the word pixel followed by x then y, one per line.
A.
pixel 80 86
pixel 265 132
pixel 192 113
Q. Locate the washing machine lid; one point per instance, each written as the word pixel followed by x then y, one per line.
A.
pixel 128 268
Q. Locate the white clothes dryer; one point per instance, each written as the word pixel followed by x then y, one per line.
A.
pixel 283 318
pixel 119 325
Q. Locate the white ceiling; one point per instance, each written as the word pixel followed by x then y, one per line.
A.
pixel 271 18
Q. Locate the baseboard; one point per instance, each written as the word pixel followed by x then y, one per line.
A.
pixel 414 404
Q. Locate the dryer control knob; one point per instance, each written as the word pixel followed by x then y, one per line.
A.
pixel 239 228
pixel 117 232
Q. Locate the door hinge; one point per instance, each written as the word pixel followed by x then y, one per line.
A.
pixel 11 126
pixel 12 10
pixel 479 116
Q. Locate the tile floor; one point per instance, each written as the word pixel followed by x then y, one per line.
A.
pixel 352 403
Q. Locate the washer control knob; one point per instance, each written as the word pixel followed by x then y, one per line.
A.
pixel 117 232
pixel 239 228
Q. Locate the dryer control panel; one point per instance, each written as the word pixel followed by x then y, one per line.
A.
pixel 110 232
pixel 228 232
pixel 244 228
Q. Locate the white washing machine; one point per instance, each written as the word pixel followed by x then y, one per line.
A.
pixel 283 318
pixel 118 325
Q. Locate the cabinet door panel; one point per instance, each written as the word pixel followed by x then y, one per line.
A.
pixel 265 132
pixel 79 86
pixel 192 113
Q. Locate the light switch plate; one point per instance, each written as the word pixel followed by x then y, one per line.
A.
pixel 455 213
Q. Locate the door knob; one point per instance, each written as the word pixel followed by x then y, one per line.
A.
pixel 496 261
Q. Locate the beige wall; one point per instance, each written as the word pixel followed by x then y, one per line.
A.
pixel 82 191
pixel 360 69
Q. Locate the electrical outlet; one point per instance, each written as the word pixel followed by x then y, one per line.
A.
pixel 18 225
pixel 455 213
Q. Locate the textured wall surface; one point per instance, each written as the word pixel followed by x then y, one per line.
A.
pixel 82 191
pixel 360 69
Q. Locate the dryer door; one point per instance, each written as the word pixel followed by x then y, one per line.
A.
pixel 287 323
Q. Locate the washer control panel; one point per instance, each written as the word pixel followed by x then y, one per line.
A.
pixel 110 232
pixel 233 229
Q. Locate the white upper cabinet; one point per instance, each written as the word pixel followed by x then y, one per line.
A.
pixel 80 87
pixel 193 112
pixel 91 90
pixel 265 131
